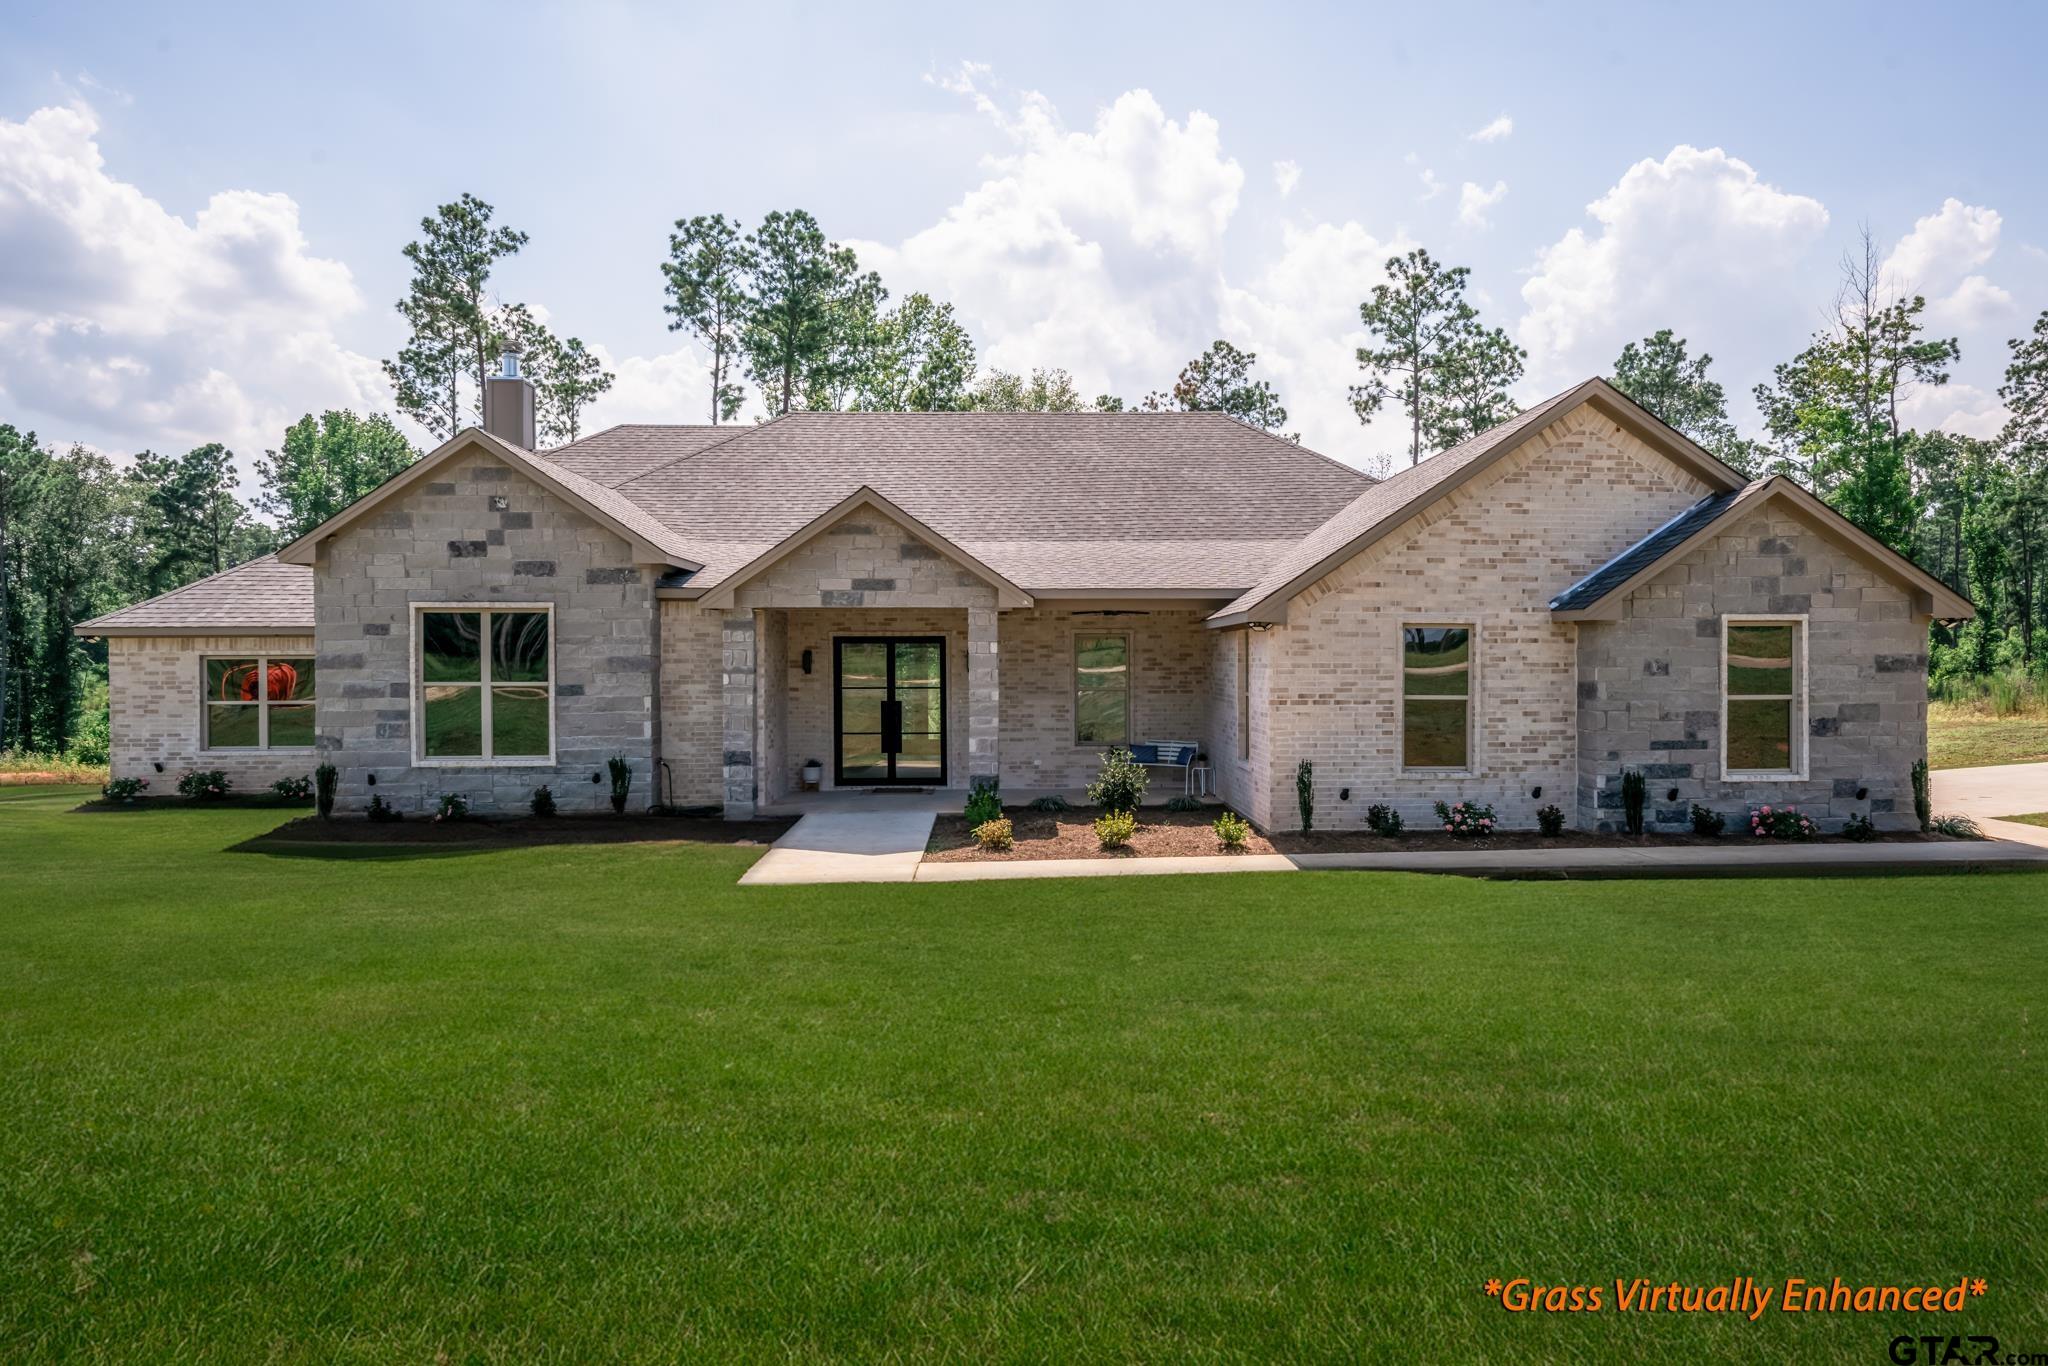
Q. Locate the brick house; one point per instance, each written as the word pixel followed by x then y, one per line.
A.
pixel 925 599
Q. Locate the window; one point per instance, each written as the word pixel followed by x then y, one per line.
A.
pixel 1436 697
pixel 263 702
pixel 1244 694
pixel 1102 687
pixel 486 685
pixel 1764 681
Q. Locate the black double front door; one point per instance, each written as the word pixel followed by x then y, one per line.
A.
pixel 889 711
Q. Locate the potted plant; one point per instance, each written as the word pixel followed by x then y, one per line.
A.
pixel 814 774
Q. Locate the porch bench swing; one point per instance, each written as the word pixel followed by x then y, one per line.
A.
pixel 1178 754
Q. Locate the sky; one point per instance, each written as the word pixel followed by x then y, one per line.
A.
pixel 202 207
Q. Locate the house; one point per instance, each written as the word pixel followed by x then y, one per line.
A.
pixel 928 598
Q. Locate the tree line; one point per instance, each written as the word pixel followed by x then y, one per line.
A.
pixel 782 307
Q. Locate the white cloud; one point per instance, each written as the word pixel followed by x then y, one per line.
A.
pixel 1474 202
pixel 1955 407
pixel 1938 259
pixel 1431 186
pixel 1697 242
pixel 125 326
pixel 674 386
pixel 1286 175
pixel 1493 132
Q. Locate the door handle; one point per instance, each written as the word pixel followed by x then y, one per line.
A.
pixel 892 726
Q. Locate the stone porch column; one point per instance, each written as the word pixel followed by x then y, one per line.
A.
pixel 984 694
pixel 740 721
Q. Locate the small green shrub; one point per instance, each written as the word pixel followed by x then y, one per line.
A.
pixel 1635 792
pixel 1956 827
pixel 984 803
pixel 1121 784
pixel 543 803
pixel 1465 820
pixel 1383 820
pixel 1183 803
pixel 1051 804
pixel 1859 827
pixel 1232 830
pixel 1706 821
pixel 123 790
pixel 94 737
pixel 325 779
pixel 454 807
pixel 1781 823
pixel 292 789
pixel 204 785
pixel 1923 799
pixel 995 836
pixel 1113 829
pixel 1550 820
pixel 622 782
pixel 1305 794
pixel 381 810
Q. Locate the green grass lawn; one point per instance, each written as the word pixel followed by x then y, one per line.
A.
pixel 573 1104
pixel 1970 736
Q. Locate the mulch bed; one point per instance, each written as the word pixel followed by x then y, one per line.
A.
pixel 513 831
pixel 1168 834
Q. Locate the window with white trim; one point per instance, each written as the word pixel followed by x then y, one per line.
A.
pixel 486 685
pixel 1436 697
pixel 1102 689
pixel 257 702
pixel 1763 679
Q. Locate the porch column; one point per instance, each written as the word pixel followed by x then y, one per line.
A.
pixel 740 720
pixel 984 691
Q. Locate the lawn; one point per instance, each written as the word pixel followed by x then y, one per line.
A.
pixel 1971 735
pixel 568 1104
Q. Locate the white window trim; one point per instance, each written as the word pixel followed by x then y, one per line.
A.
pixel 262 745
pixel 1798 772
pixel 1130 639
pixel 1470 769
pixel 420 758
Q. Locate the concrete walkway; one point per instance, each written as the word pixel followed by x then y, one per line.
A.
pixel 1985 794
pixel 845 846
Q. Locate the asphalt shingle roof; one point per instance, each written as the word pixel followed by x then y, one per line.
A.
pixel 262 595
pixel 1645 552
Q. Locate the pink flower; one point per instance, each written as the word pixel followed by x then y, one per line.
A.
pixel 1447 825
pixel 1758 832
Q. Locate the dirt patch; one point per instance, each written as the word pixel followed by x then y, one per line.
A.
pixel 525 830
pixel 1171 834
pixel 1071 834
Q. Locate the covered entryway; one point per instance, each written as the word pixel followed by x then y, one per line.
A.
pixel 889 711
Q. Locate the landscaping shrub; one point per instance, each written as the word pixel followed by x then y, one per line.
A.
pixel 123 790
pixel 292 789
pixel 995 835
pixel 1635 791
pixel 1859 827
pixel 1781 823
pixel 1121 784
pixel 325 778
pixel 1232 830
pixel 1956 827
pixel 1183 803
pixel 381 810
pixel 1923 800
pixel 1113 829
pixel 622 782
pixel 984 803
pixel 1305 794
pixel 204 785
pixel 1706 822
pixel 1383 820
pixel 1052 804
pixel 543 803
pixel 1550 820
pixel 93 738
pixel 454 807
pixel 1466 820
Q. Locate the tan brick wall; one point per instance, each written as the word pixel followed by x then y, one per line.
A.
pixel 692 724
pixel 153 688
pixel 1493 553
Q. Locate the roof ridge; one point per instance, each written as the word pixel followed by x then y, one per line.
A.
pixel 620 487
pixel 1370 479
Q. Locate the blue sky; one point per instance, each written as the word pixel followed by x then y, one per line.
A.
pixel 201 207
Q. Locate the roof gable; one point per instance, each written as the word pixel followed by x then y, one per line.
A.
pixel 650 539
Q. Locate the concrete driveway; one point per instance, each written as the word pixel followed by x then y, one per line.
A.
pixel 1985 794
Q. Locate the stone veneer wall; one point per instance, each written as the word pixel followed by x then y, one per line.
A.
pixel 1494 553
pixel 806 699
pixel 692 702
pixel 477 532
pixel 1650 684
pixel 153 688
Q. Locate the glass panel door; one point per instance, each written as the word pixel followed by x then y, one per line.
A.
pixel 889 712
